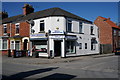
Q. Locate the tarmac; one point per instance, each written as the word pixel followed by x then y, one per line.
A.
pixel 41 60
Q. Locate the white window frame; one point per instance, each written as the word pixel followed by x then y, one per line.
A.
pixel 92 30
pixel 2 44
pixel 80 29
pixel 19 44
pixel 3 29
pixel 80 46
pixel 11 46
pixel 15 28
pixel 69 21
pixel 42 21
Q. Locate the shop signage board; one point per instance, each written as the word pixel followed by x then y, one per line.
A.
pixel 42 35
pixel 57 36
pixel 57 32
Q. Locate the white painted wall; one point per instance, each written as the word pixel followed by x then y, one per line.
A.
pixel 51 23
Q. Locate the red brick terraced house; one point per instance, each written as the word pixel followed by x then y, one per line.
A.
pixel 14 32
pixel 109 34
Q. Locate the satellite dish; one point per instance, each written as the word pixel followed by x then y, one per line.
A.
pixel 32 22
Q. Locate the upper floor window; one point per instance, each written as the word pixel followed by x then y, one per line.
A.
pixel 114 32
pixel 69 26
pixel 17 29
pixel 5 29
pixel 42 25
pixel 91 29
pixel 80 27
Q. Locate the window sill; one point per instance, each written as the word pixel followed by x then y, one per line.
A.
pixel 92 34
pixel 41 32
pixel 16 34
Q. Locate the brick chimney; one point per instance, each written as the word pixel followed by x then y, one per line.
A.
pixel 27 9
pixel 3 15
pixel 108 18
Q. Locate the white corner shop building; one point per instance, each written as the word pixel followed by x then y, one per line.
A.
pixel 64 34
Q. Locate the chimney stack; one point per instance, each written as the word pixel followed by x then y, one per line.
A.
pixel 3 15
pixel 27 9
pixel 108 18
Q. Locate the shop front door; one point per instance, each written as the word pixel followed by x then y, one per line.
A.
pixel 57 48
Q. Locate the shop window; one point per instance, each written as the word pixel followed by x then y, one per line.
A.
pixel 4 46
pixel 85 45
pixel 70 48
pixel 80 27
pixel 41 46
pixel 69 26
pixel 17 45
pixel 92 30
pixel 17 29
pixel 5 29
pixel 42 25
pixel 80 45
pixel 12 45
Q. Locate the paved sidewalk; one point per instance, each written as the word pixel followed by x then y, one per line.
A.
pixel 31 60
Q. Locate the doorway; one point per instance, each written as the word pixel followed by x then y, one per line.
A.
pixel 25 44
pixel 57 48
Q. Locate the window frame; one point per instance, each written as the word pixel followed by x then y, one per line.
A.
pixel 42 22
pixel 92 30
pixel 3 43
pixel 13 45
pixel 16 26
pixel 70 47
pixel 69 22
pixel 19 44
pixel 80 27
pixel 5 25
pixel 86 46
pixel 80 45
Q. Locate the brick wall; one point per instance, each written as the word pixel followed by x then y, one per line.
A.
pixel 1 28
pixel 105 31
pixel 24 29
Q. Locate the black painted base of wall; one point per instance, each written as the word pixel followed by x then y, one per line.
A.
pixel 105 48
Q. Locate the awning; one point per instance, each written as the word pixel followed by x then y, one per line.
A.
pixel 38 38
pixel 71 38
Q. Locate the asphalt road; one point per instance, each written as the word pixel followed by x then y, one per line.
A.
pixel 87 68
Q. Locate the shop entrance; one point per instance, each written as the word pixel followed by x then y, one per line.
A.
pixel 57 48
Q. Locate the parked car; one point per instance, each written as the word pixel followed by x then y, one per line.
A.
pixel 117 51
